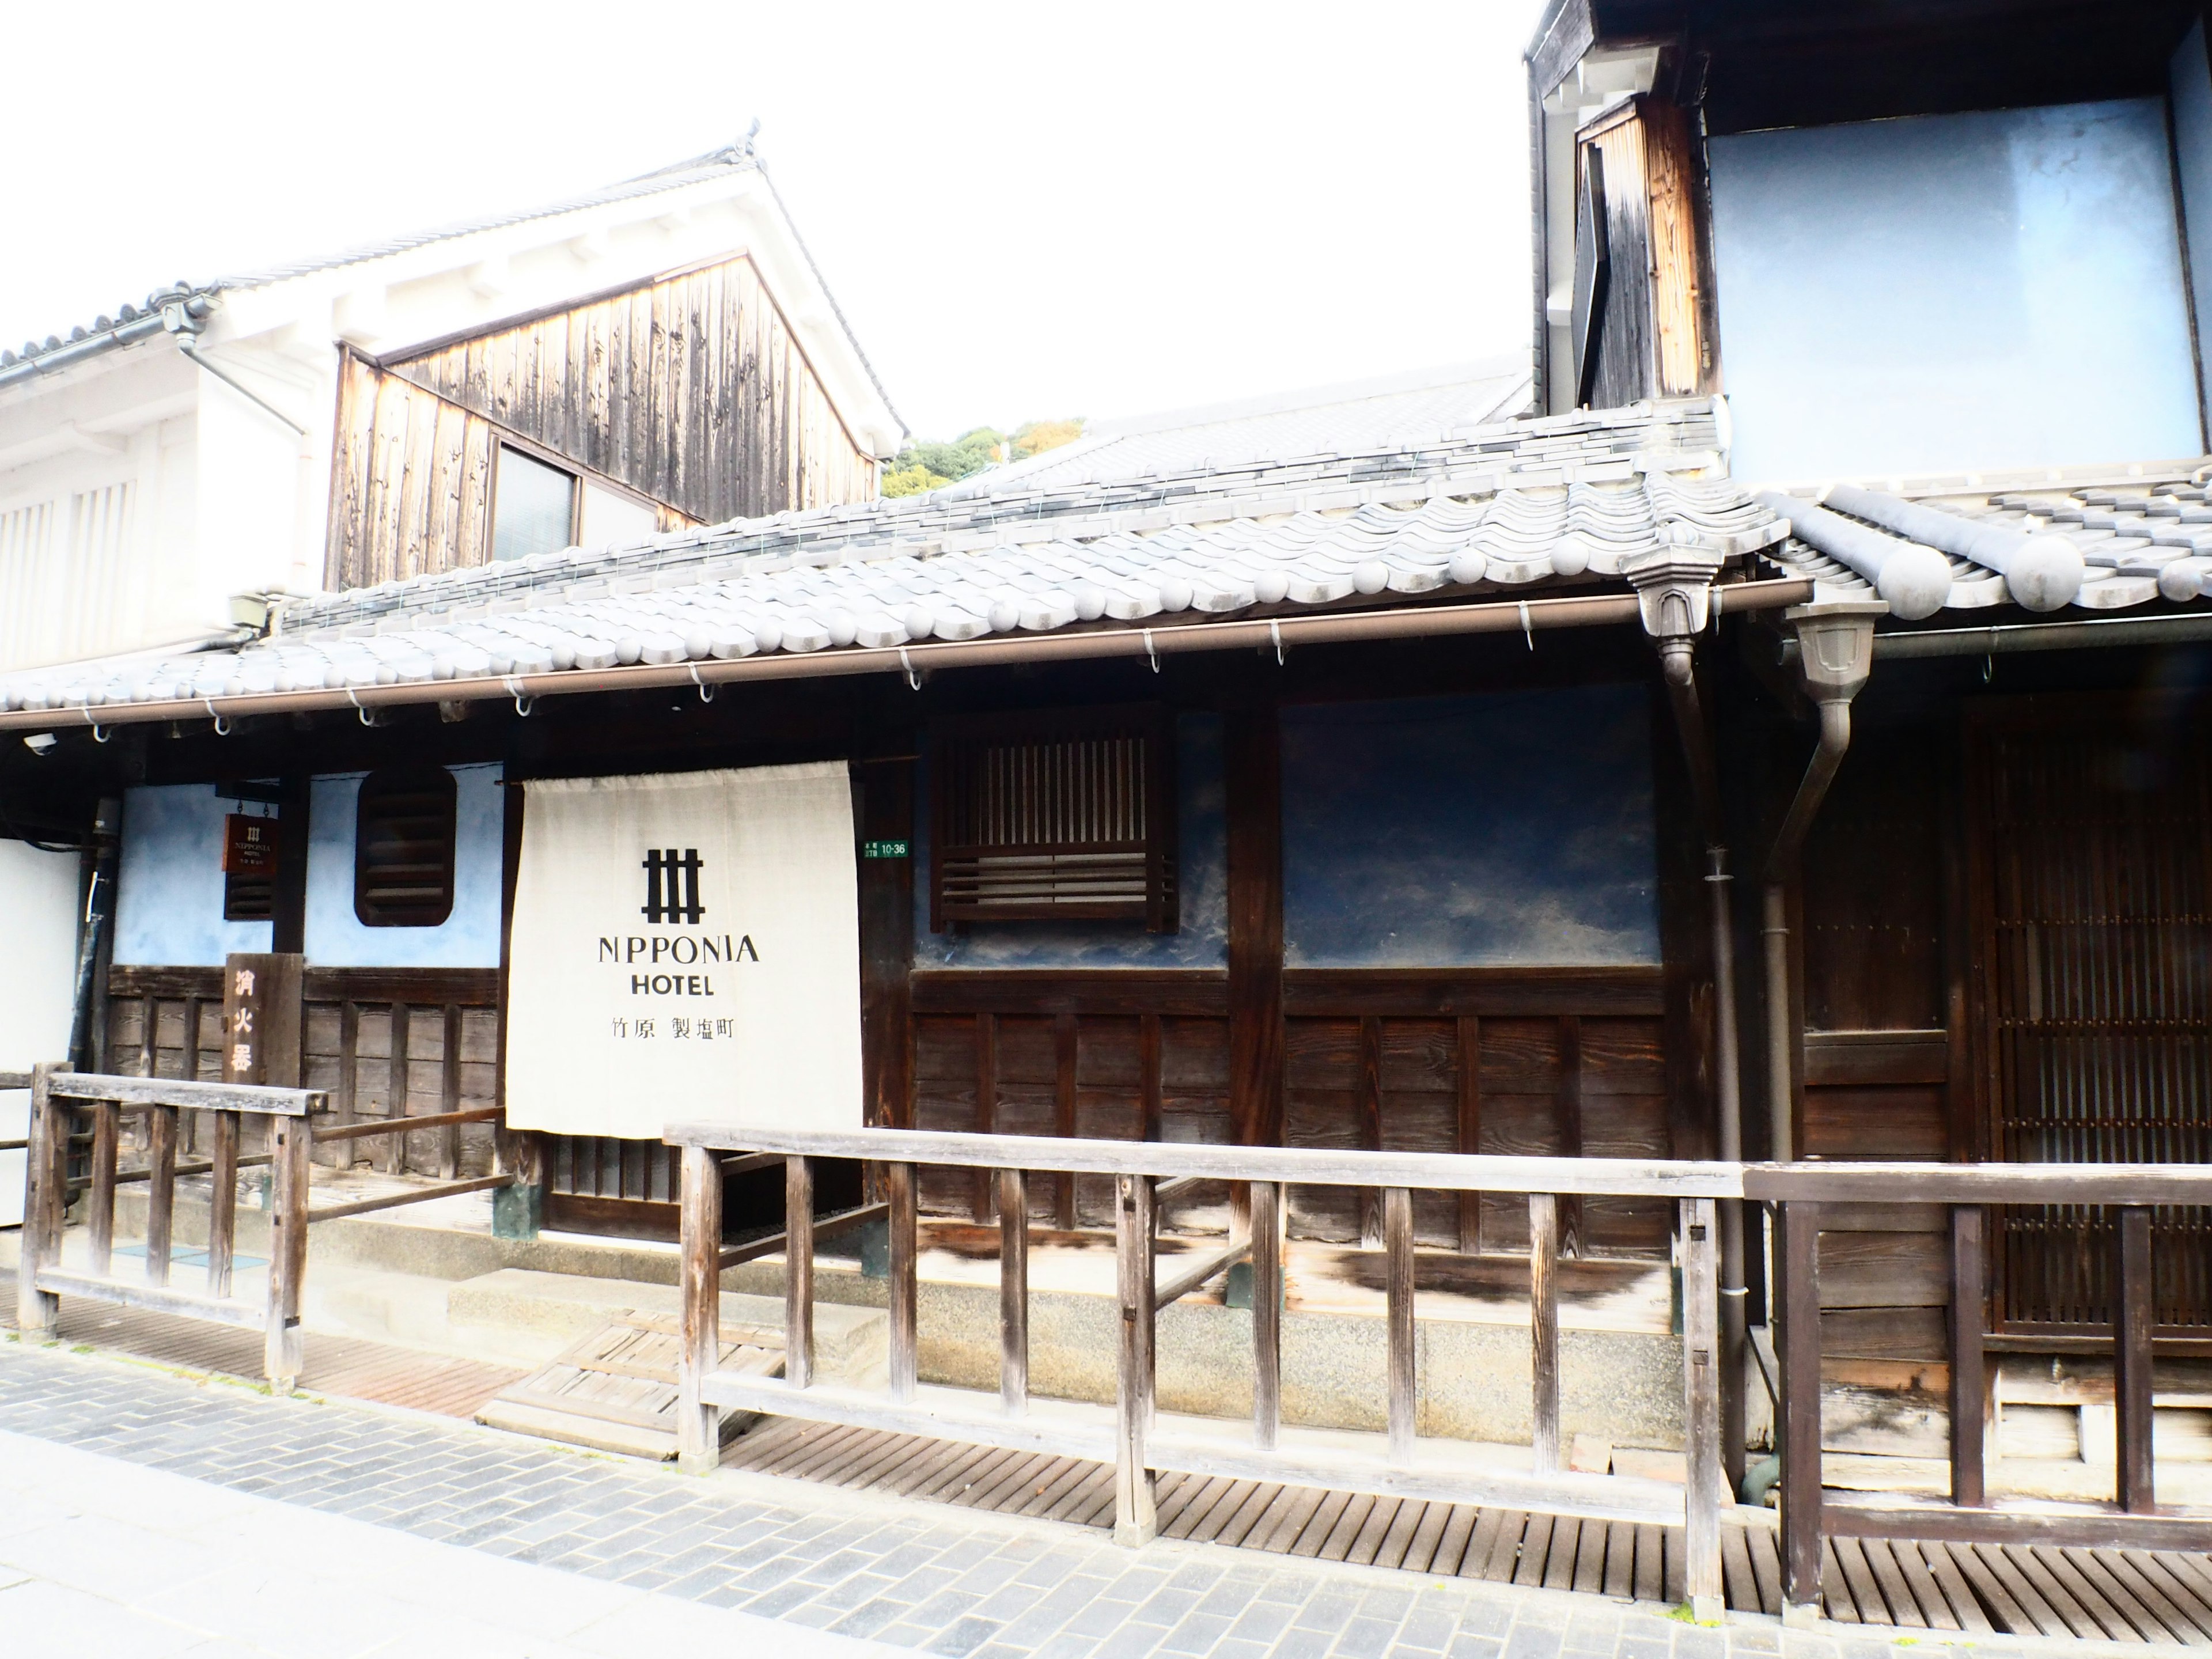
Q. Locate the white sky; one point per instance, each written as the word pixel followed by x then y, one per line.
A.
pixel 1025 211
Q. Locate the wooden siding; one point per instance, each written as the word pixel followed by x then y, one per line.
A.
pixel 411 481
pixel 690 390
pixel 1554 1062
pixel 1652 340
pixel 383 1041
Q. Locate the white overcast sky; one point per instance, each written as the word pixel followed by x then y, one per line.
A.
pixel 1025 211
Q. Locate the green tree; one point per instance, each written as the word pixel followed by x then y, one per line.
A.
pixel 929 464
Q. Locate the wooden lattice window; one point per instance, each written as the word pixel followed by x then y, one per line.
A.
pixel 1058 816
pixel 403 848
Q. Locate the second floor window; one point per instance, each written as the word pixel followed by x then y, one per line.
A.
pixel 533 506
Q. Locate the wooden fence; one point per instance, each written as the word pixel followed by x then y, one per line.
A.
pixel 1137 1440
pixel 2128 1194
pixel 74 1110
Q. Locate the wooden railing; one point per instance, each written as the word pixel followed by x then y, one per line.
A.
pixel 1136 1439
pixel 1798 1191
pixel 59 1097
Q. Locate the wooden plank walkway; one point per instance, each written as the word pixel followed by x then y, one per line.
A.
pixel 2106 1594
pixel 346 1367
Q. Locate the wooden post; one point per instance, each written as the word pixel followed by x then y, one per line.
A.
pixel 222 1203
pixel 698 1424
pixel 1268 1208
pixel 45 1200
pixel 2131 1349
pixel 449 1138
pixel 1701 1401
pixel 99 1213
pixel 160 1190
pixel 1014 1289
pixel 1544 1329
pixel 898 1192
pixel 1969 1386
pixel 1798 1435
pixel 1136 1514
pixel 399 1033
pixel 349 1075
pixel 1398 1269
pixel 798 1271
pixel 283 1350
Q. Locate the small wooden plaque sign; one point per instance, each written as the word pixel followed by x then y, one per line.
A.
pixel 249 847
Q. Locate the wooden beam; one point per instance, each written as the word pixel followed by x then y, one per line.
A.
pixel 799 1272
pixel 388 1126
pixel 283 1350
pixel 2131 1346
pixel 414 1196
pixel 1798 1434
pixel 1267 1208
pixel 160 1192
pixel 1398 1293
pixel 1701 1401
pixel 1544 1331
pixel 1014 1289
pixel 1981 1183
pixel 699 1423
pixel 1186 1273
pixel 222 1204
pixel 1252 767
pixel 139 1091
pixel 1969 1380
pixel 2100 1530
pixel 44 1186
pixel 1298 1165
pixel 1136 1512
pixel 826 1228
pixel 898 1191
pixel 151 1298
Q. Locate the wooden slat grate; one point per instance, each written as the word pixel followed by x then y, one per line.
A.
pixel 2103 1594
pixel 348 1367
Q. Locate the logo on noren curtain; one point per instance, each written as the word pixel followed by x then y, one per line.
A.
pixel 671 886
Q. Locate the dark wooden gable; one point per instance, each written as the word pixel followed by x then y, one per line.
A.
pixel 689 389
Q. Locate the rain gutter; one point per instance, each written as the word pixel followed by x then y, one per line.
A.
pixel 1522 617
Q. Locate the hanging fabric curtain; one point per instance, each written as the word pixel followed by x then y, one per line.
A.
pixel 685 946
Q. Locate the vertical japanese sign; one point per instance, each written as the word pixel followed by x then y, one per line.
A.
pixel 261 1016
pixel 685 945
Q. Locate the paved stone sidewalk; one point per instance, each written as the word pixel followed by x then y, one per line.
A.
pixel 912 1575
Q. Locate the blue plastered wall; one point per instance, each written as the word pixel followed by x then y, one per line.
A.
pixel 169 891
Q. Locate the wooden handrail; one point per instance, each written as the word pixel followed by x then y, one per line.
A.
pixel 1299 1166
pixel 94 1087
pixel 416 1195
pixel 1979 1183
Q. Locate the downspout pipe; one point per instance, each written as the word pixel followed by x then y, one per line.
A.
pixel 1835 654
pixel 1678 619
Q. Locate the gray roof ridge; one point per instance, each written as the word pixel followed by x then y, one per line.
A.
pixel 1318 397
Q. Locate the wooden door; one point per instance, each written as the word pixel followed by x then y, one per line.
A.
pixel 2092 837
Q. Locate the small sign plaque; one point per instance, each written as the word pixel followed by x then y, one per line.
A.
pixel 882 849
pixel 249 847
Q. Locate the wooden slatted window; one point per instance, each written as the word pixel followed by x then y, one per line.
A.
pixel 1055 816
pixel 403 857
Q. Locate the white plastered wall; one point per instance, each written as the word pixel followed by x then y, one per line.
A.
pixel 38 917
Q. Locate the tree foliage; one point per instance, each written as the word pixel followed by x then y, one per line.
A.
pixel 930 464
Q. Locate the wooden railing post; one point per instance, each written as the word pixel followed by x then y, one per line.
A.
pixel 1701 1400
pixel 1136 1514
pixel 1969 1384
pixel 46 1201
pixel 1798 1435
pixel 799 1272
pixel 222 1203
pixel 1544 1330
pixel 698 1424
pixel 99 1209
pixel 2137 1316
pixel 283 1349
pixel 1014 1289
pixel 160 1190
pixel 1398 1298
pixel 898 1192
pixel 1268 1208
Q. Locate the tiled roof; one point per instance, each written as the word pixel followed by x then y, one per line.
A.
pixel 1513 507
pixel 1404 411
pixel 2145 539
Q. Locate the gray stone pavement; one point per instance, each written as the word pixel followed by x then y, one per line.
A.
pixel 472 1504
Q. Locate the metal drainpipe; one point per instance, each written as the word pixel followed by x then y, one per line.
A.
pixel 1835 654
pixel 1662 584
pixel 99 895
